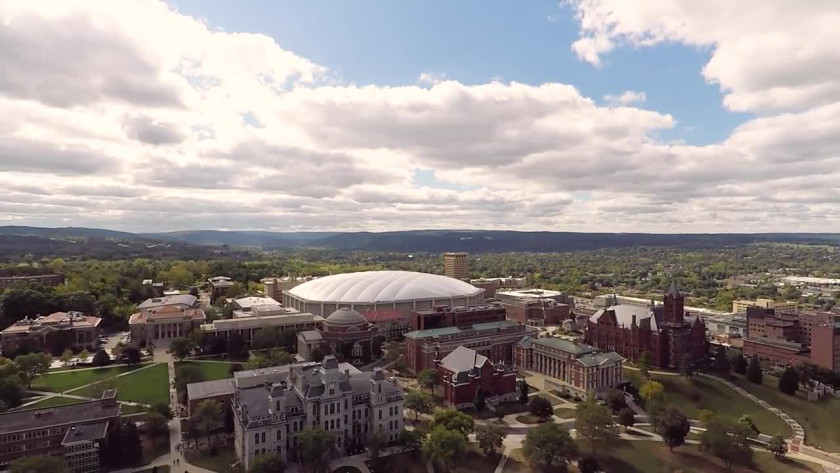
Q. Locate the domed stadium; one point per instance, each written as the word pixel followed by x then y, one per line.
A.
pixel 381 290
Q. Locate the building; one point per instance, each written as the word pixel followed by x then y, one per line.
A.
pixel 42 279
pixel 463 372
pixel 729 331
pixel 219 286
pixel 509 282
pixel 456 265
pixel 381 290
pixel 392 324
pixel 784 339
pixel 245 303
pixel 73 431
pixel 55 332
pixel 445 316
pixel 571 367
pixel 493 340
pixel 536 306
pixel 165 317
pixel 274 287
pixel 741 306
pixel 248 325
pixel 665 331
pixel 269 418
pixel 346 334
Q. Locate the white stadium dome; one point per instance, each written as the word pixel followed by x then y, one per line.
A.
pixel 381 290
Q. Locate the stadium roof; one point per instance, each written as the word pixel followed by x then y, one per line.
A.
pixel 382 286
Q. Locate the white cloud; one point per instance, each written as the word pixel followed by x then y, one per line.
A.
pixel 628 97
pixel 138 122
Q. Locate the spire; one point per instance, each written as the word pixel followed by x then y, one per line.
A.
pixel 672 291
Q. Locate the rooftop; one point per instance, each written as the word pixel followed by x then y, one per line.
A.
pixel 437 332
pixel 245 303
pixel 84 411
pixel 207 389
pixel 565 345
pixel 374 316
pixel 56 320
pixel 463 359
pixel 242 323
pixel 86 432
pixel 185 299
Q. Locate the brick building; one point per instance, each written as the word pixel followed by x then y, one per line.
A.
pixel 446 316
pixel 463 372
pixel 42 279
pixel 493 340
pixel 665 331
pixel 55 332
pixel 392 324
pixel 536 306
pixel 569 366
pixel 73 431
pixel 790 338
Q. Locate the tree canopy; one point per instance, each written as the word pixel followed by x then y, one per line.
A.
pixel 453 420
pixel 444 446
pixel 594 424
pixel 673 426
pixel 268 463
pixel 549 446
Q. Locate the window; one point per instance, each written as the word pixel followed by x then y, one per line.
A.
pixel 380 415
pixel 379 388
pixel 257 438
pixel 263 440
pixel 314 410
pixel 332 408
pixel 345 403
pixel 345 419
pixel 338 423
pixel 279 435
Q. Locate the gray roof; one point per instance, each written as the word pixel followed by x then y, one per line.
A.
pixel 595 359
pixel 207 389
pixel 565 345
pixel 186 299
pixel 311 335
pixel 86 432
pixel 526 341
pixel 624 315
pixel 346 317
pixel 436 332
pixel 463 359
pixel 80 412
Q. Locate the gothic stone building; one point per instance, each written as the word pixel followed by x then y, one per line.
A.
pixel 665 331
pixel 463 372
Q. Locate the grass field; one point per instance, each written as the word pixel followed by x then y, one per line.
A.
pixel 696 394
pixel 209 371
pixel 225 456
pixel 52 402
pixel 564 412
pixel 149 386
pixel 68 380
pixel 812 416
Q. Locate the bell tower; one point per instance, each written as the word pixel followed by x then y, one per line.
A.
pixel 674 308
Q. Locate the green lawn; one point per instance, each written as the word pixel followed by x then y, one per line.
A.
pixel 225 456
pixel 130 409
pixel 68 380
pixel 150 386
pixel 53 401
pixel 474 460
pixel 564 412
pixel 696 394
pixel 406 462
pixel 209 371
pixel 812 416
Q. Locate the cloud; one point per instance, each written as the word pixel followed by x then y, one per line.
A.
pixel 626 98
pixel 153 132
pixel 428 78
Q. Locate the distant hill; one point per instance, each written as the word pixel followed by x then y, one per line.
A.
pixel 474 241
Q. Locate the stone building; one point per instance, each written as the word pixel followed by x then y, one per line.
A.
pixel 347 334
pixel 165 318
pixel 55 332
pixel 352 406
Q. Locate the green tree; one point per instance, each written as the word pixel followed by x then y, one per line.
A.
pixel 162 409
pixel 722 366
pixel 314 445
pixel 594 423
pixel 489 439
pixel 268 463
pixel 705 416
pixel 754 374
pixel 739 363
pixel 132 355
pixel 777 446
pixel 673 426
pixel 687 366
pixel 38 464
pixel 652 391
pixel 588 464
pixel 32 365
pixel 156 425
pixel 208 417
pixel 101 358
pixel 11 393
pixel 549 447
pixel 727 441
pixel 789 381
pixel 419 402
pixel 428 379
pixel 66 356
pixel 478 401
pixel 374 448
pixel 616 400
pixel 84 355
pixel 181 347
pixel 747 422
pixel 626 417
pixel 644 363
pixel 443 447
pixel 540 407
pixel 523 392
pixel 450 419
pixel 411 439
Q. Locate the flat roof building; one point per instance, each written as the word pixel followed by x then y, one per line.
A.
pixel 456 265
pixel 54 332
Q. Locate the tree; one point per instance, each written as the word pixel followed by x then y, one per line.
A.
pixel 594 423
pixel 588 464
pixel 31 366
pixel 156 425
pixel 428 379
pixel 626 417
pixel 747 422
pixel 478 402
pixel 722 366
pixel 314 445
pixel 444 447
pixel 317 354
pixel 777 446
pixel 84 355
pixel 644 363
pixel 616 400
pixel 673 425
pixel 523 392
pixel 489 439
pixel 117 350
pixel 549 446
pixel 122 446
pixel 705 416
pixel 727 441
pixel 739 363
pixel 450 419
pixel 162 409
pixel 181 347
pixel 687 366
pixel 419 402
pixel 101 358
pixel 11 394
pixel 208 417
pixel 374 447
pixel 789 381
pixel 540 407
pixel 66 356
pixel 185 374
pixel 132 355
pixel 754 374
pixel 411 439
pixel 268 463
pixel 652 391
pixel 38 464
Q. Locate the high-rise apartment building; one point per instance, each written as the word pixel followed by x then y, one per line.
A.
pixel 456 265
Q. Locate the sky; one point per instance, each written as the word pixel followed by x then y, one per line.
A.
pixel 579 115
